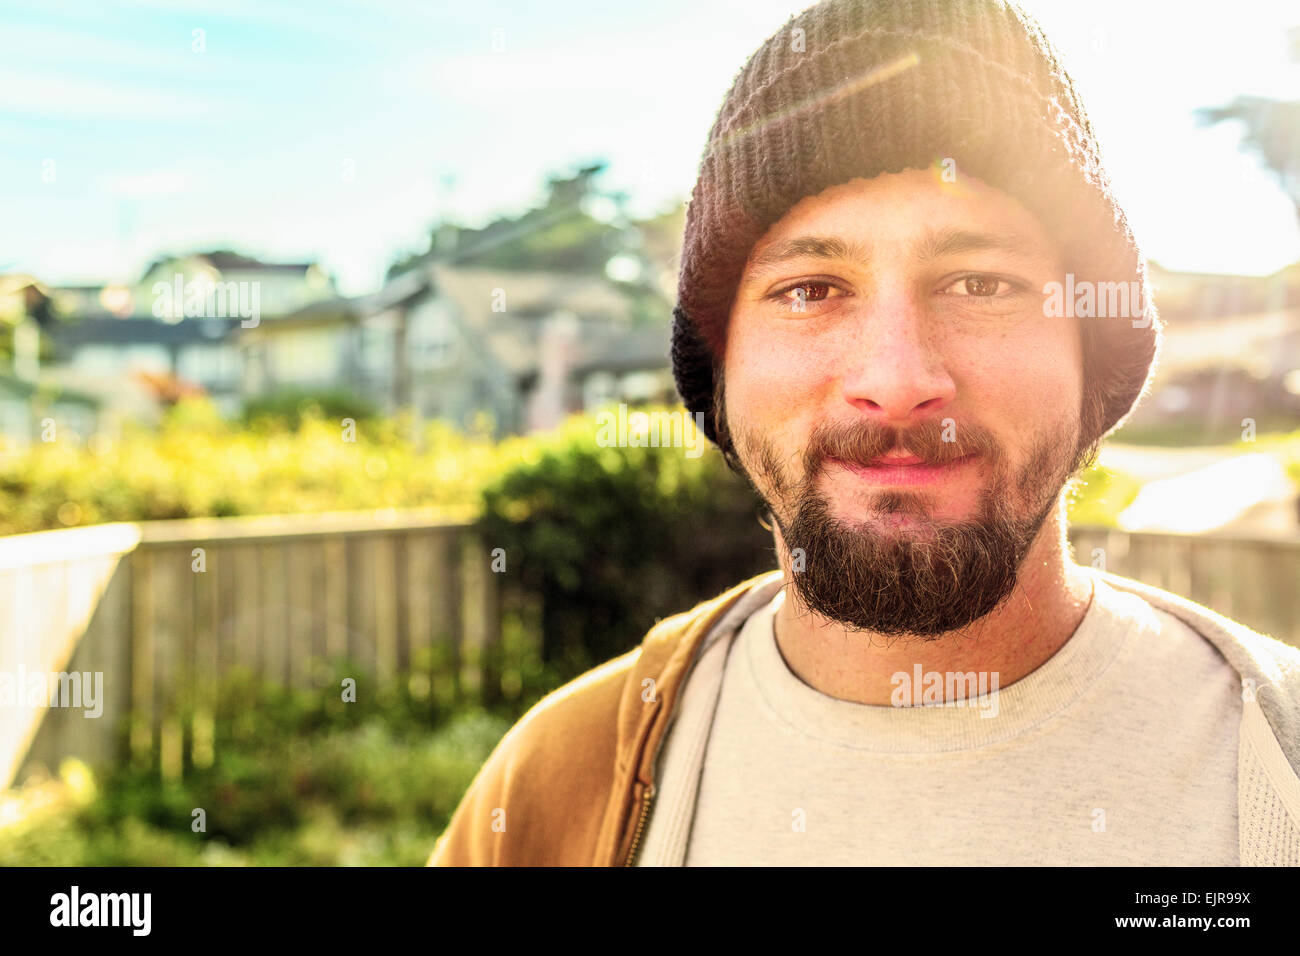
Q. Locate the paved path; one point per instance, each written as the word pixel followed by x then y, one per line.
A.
pixel 1193 490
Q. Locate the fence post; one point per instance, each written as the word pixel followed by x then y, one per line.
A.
pixel 481 630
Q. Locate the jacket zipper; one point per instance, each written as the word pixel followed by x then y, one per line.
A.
pixel 640 824
pixel 654 763
pixel 654 760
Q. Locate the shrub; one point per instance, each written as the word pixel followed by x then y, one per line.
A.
pixel 289 407
pixel 197 465
pixel 610 539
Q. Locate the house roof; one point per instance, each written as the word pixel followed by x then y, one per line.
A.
pixel 224 260
pixel 17 281
pixel 1268 342
pixel 605 337
pixel 530 296
pixel 335 311
pixel 344 309
pixel 104 329
pixel 529 293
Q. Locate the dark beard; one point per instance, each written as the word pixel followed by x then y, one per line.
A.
pixel 928 581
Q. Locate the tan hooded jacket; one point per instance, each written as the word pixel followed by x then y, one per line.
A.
pixel 572 783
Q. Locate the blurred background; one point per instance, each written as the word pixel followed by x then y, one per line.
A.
pixel 325 527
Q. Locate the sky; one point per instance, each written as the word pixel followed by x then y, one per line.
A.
pixel 340 131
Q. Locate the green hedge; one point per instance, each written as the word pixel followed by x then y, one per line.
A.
pixel 289 408
pixel 607 540
pixel 199 465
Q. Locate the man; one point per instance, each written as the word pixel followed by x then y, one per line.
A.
pixel 893 197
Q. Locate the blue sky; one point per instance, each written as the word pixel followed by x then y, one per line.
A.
pixel 340 131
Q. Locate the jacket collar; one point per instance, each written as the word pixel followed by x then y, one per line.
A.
pixel 649 701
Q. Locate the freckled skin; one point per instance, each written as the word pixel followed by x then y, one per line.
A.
pixel 899 339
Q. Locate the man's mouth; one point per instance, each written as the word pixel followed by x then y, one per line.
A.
pixel 904 469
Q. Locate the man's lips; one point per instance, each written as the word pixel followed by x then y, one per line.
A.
pixel 911 470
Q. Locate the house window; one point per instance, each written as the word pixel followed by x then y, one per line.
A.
pixel 108 360
pixel 641 386
pixel 376 349
pixel 212 366
pixel 431 338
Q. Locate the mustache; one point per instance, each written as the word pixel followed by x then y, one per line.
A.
pixel 932 441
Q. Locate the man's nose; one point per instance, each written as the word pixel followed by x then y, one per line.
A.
pixel 894 368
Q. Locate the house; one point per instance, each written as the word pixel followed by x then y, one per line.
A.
pixel 30 412
pixel 1231 351
pixel 135 364
pixel 340 343
pixel 31 405
pixel 521 349
pixel 1201 296
pixel 138 347
pixel 278 287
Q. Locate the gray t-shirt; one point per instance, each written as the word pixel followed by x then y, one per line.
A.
pixel 1121 749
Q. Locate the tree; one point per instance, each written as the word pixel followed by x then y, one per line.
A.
pixel 561 234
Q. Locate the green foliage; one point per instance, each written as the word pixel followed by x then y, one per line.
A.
pixel 610 539
pixel 197 465
pixel 558 235
pixel 288 408
pixel 299 779
pixel 1185 434
pixel 1099 495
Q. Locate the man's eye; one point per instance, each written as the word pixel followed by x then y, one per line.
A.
pixel 981 285
pixel 797 296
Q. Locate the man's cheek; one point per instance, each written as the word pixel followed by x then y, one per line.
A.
pixel 793 386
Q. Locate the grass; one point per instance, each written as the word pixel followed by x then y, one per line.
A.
pixel 295 785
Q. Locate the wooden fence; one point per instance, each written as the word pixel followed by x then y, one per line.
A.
pixel 166 610
pixel 1253 581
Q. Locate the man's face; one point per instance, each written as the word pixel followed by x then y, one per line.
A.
pixel 896 395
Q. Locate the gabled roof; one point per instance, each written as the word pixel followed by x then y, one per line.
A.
pixel 224 260
pixel 17 281
pixel 529 293
pixel 106 329
pixel 530 296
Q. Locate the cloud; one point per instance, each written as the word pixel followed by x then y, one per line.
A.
pixel 158 182
pixel 49 95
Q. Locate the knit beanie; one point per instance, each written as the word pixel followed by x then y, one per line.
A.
pixel 857 88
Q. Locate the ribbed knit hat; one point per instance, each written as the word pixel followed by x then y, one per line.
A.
pixel 857 88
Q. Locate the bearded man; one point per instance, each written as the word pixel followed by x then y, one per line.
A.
pixel 888 193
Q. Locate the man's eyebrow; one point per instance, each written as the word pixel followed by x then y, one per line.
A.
pixel 938 243
pixel 807 247
pixel 934 244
